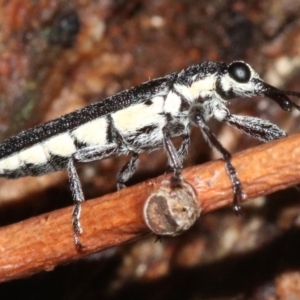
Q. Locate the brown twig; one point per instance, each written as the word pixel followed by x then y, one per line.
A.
pixel 43 242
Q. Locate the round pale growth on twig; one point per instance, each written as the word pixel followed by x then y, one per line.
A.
pixel 171 210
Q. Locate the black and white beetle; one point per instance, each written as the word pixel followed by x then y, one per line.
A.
pixel 145 118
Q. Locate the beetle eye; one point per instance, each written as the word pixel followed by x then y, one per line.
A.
pixel 239 71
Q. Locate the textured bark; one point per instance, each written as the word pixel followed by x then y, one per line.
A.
pixel 43 242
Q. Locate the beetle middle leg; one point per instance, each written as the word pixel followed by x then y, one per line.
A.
pixel 127 171
pixel 174 160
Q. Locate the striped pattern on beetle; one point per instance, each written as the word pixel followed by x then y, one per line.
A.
pixel 143 119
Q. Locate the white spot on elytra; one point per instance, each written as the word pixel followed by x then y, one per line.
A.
pixel 130 119
pixel 10 163
pixel 61 144
pixel 93 132
pixel 33 155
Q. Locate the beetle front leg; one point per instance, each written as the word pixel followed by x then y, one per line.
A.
pixel 196 116
pixel 260 129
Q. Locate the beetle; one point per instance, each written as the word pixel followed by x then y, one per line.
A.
pixel 143 119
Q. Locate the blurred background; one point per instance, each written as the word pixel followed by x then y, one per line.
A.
pixel 58 56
